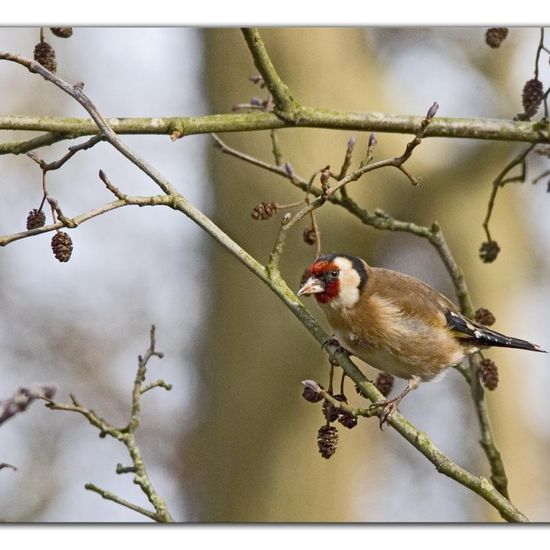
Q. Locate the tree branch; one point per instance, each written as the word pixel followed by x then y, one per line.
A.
pixel 285 105
pixel 55 165
pixel 126 435
pixel 154 200
pixel 61 128
pixel 502 179
pixel 107 495
pixel 288 114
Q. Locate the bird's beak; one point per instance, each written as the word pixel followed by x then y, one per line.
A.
pixel 311 286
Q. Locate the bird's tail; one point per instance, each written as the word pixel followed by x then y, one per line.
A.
pixel 488 337
pixel 478 335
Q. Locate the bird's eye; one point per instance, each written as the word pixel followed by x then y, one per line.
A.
pixel 334 273
pixel 331 275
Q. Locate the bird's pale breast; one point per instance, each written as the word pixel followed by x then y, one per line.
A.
pixel 391 340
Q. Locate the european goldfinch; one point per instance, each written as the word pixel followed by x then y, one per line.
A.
pixel 394 322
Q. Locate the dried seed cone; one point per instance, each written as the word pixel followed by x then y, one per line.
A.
pixel 330 412
pixel 384 383
pixel 485 317
pixel 327 441
pixel 309 236
pixel 531 97
pixel 309 394
pixel 488 251
pixel 62 32
pixel 45 55
pixel 264 211
pixel 495 36
pixel 62 246
pixel 488 373
pixel 348 420
pixel 35 219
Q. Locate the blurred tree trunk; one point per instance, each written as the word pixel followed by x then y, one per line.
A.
pixel 254 453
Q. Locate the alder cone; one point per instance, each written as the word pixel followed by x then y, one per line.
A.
pixel 531 97
pixel 488 251
pixel 264 210
pixel 488 372
pixel 62 32
pixel 35 219
pixel 45 55
pixel 495 36
pixel 62 246
pixel 485 317
pixel 327 441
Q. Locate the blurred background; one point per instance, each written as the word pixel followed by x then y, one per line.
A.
pixel 234 441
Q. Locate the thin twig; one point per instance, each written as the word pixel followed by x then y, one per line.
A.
pixel 226 149
pixel 276 148
pixel 154 200
pixel 107 495
pixel 72 151
pixel 317 232
pixel 539 50
pixel 126 435
pixel 327 193
pixel 347 158
pixel 156 384
pixel 498 472
pixel 502 179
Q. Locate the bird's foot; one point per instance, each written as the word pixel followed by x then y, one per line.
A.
pixel 392 405
pixel 388 408
pixel 332 341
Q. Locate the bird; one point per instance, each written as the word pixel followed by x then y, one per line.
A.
pixel 395 322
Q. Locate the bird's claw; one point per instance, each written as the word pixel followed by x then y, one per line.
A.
pixel 388 408
pixel 332 341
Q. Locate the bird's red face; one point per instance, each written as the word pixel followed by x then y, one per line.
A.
pixel 335 279
pixel 321 278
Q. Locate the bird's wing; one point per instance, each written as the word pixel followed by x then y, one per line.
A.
pixel 416 299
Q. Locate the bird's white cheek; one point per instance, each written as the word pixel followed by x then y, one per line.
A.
pixel 347 298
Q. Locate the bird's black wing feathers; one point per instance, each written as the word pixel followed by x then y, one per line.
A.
pixel 481 336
